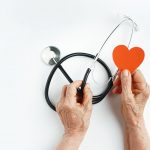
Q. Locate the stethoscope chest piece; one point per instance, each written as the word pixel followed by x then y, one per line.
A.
pixel 50 55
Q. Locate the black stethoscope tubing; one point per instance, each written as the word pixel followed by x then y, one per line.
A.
pixel 95 99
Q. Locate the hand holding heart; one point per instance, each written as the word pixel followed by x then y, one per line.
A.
pixel 134 93
pixel 130 83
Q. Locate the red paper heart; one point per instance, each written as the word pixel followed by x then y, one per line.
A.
pixel 128 59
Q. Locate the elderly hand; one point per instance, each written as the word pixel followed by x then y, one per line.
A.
pixel 75 113
pixel 134 94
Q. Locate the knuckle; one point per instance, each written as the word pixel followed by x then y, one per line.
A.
pixel 58 106
pixel 125 80
pixel 147 91
pixel 89 106
pixel 64 86
pixel 127 97
pixel 148 87
pixel 69 87
pixel 146 94
pixel 67 105
pixel 125 87
pixel 62 106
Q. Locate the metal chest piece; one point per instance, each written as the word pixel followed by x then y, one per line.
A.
pixel 50 55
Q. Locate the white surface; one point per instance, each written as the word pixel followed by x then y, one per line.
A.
pixel 28 26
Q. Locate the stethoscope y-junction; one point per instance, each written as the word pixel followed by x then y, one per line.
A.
pixel 51 55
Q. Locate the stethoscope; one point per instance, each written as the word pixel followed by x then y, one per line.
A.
pixel 51 55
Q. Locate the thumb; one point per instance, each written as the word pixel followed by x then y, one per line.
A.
pixel 126 83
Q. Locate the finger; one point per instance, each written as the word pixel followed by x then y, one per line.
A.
pixel 117 82
pixel 117 79
pixel 117 90
pixel 88 111
pixel 87 95
pixel 140 84
pixel 139 80
pixel 63 92
pixel 71 91
pixel 138 76
pixel 126 83
pixel 119 73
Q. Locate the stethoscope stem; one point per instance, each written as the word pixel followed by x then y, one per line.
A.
pixel 80 89
pixel 65 73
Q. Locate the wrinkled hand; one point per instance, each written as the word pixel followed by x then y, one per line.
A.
pixel 134 94
pixel 75 116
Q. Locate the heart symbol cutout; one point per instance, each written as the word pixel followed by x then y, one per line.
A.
pixel 128 59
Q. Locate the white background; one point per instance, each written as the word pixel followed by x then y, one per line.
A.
pixel 26 27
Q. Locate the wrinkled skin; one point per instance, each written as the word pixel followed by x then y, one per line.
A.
pixel 75 111
pixel 134 94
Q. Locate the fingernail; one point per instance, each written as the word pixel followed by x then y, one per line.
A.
pixel 125 73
